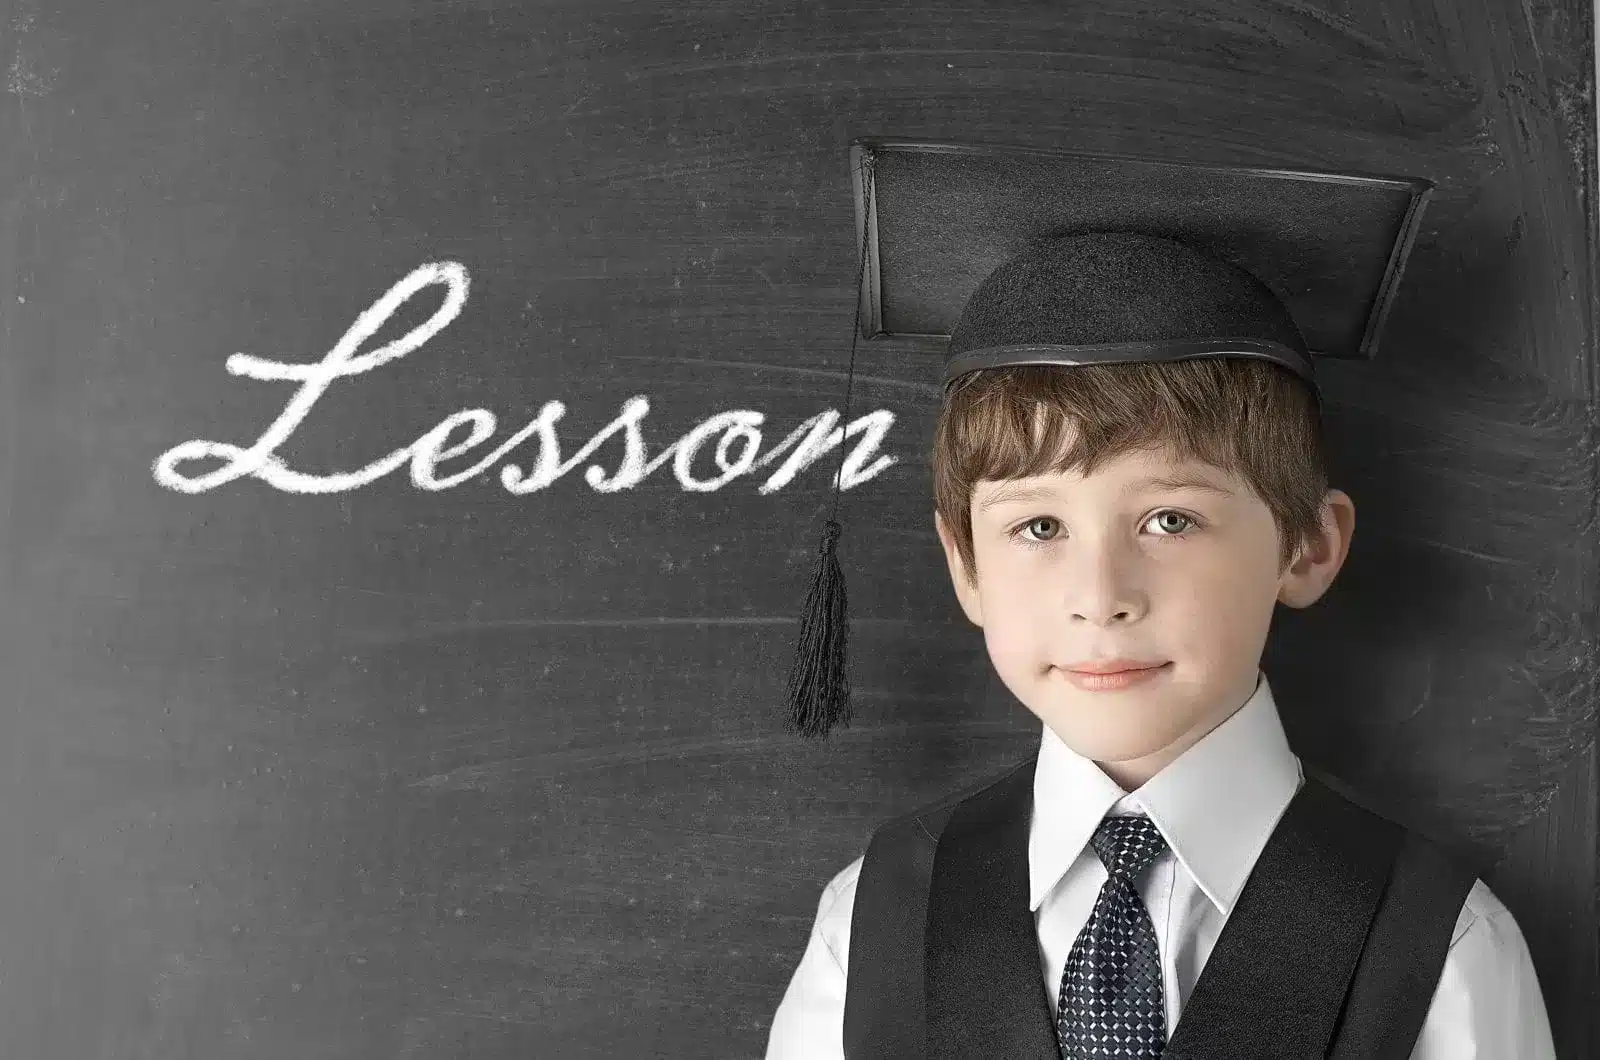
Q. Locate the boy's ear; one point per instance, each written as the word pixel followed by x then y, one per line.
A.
pixel 1313 570
pixel 966 592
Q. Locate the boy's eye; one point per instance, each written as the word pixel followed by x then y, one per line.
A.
pixel 1167 516
pixel 1031 523
pixel 1187 521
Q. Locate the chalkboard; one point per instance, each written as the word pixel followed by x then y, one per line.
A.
pixel 420 415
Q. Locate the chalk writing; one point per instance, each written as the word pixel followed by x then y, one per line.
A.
pixel 738 432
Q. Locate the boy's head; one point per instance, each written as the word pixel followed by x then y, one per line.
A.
pixel 1132 318
pixel 1104 564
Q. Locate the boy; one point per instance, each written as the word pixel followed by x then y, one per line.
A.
pixel 1128 477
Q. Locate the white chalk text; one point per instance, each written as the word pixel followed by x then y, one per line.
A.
pixel 737 433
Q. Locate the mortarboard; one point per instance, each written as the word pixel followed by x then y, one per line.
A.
pixel 1023 256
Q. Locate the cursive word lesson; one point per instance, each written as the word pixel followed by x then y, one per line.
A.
pixel 737 432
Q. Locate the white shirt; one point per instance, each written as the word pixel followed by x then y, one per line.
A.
pixel 1216 805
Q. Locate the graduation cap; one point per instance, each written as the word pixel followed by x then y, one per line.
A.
pixel 1023 256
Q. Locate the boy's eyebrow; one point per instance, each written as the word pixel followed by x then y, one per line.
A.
pixel 1183 481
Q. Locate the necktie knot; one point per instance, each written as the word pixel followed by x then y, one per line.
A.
pixel 1127 845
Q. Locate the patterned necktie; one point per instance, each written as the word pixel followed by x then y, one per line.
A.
pixel 1111 1005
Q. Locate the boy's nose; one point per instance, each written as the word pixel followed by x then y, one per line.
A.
pixel 1104 587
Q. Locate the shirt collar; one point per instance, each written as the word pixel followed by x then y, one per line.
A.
pixel 1216 804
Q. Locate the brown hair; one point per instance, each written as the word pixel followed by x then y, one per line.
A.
pixel 1243 416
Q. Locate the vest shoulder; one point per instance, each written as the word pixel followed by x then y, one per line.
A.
pixel 928 820
pixel 1420 851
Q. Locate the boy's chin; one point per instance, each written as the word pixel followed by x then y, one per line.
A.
pixel 1105 740
pixel 1116 749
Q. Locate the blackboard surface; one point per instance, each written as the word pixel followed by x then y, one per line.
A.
pixel 356 754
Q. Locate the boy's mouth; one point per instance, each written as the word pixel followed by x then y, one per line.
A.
pixel 1115 680
pixel 1111 666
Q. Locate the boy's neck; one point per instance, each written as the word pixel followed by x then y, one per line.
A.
pixel 1132 774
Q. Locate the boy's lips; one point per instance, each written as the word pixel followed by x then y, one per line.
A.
pixel 1111 666
pixel 1115 680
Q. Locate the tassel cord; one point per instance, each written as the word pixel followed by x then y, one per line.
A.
pixel 819 680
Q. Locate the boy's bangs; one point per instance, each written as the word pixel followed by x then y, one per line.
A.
pixel 1032 421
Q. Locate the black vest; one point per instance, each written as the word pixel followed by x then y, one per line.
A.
pixel 1333 949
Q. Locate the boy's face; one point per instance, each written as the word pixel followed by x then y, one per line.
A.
pixel 1114 565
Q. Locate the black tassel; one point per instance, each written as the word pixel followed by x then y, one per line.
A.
pixel 819 680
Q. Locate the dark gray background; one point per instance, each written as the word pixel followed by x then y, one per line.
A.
pixel 399 773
